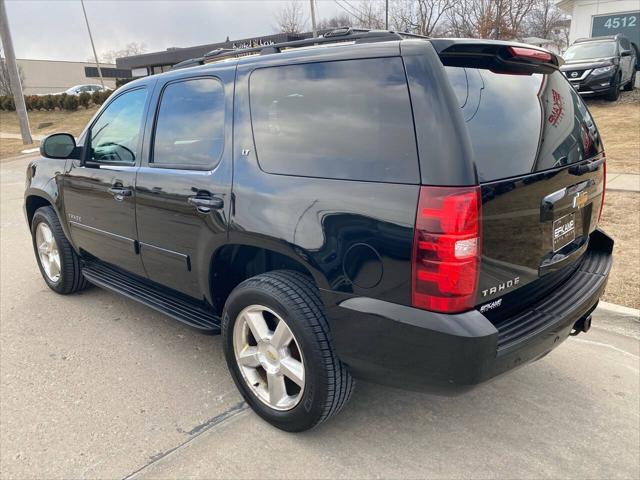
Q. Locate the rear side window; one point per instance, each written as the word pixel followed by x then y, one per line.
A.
pixel 190 125
pixel 521 124
pixel 347 120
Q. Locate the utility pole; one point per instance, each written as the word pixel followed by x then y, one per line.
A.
pixel 386 15
pixel 313 18
pixel 14 75
pixel 95 55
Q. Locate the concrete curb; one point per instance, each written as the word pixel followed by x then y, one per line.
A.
pixel 620 310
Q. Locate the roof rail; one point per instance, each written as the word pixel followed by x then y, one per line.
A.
pixel 338 35
pixel 333 36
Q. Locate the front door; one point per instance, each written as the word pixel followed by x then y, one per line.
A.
pixel 99 192
pixel 183 191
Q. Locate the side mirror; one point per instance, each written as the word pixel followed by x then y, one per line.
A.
pixel 625 53
pixel 59 145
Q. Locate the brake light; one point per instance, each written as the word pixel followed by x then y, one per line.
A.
pixel 446 249
pixel 604 185
pixel 530 54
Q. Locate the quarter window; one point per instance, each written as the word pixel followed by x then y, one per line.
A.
pixel 190 125
pixel 115 135
pixel 347 120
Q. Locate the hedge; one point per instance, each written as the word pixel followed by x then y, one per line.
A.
pixel 61 101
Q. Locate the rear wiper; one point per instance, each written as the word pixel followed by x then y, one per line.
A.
pixel 587 167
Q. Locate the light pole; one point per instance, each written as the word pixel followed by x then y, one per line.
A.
pixel 14 75
pixel 95 55
pixel 313 18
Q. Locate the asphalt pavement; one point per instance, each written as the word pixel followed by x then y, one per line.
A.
pixel 96 385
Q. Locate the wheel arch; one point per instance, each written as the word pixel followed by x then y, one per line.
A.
pixel 35 199
pixel 233 263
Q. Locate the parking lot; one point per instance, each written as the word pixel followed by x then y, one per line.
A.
pixel 95 385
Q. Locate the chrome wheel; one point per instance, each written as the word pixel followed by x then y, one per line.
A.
pixel 269 357
pixel 48 252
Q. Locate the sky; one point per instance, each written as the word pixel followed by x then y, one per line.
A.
pixel 55 29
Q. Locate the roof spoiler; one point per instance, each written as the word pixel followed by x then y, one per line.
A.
pixel 497 56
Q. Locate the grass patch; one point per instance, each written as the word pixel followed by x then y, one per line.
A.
pixel 619 125
pixel 621 220
pixel 59 120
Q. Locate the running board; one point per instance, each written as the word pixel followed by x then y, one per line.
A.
pixel 181 308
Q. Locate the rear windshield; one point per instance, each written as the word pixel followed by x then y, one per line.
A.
pixel 522 123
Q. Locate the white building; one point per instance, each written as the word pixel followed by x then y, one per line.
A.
pixel 597 18
pixel 51 76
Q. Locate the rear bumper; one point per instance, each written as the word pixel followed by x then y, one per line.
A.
pixel 448 354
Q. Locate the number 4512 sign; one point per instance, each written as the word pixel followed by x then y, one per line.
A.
pixel 628 24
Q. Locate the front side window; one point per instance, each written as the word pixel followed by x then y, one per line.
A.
pixel 115 135
pixel 347 120
pixel 190 124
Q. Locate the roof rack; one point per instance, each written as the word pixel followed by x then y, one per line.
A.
pixel 339 35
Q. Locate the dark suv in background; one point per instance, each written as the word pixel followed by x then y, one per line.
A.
pixel 601 65
pixel 417 212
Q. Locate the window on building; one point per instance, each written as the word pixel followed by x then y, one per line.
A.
pixel 190 126
pixel 344 120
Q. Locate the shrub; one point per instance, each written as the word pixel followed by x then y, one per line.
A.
pixel 84 98
pixel 36 102
pixel 60 100
pixel 96 98
pixel 123 81
pixel 71 102
pixel 8 103
pixel 49 102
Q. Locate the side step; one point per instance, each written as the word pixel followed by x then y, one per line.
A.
pixel 181 308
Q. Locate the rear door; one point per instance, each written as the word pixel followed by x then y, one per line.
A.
pixel 541 169
pixel 183 190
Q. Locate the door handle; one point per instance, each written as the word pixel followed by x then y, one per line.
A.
pixel 205 204
pixel 120 191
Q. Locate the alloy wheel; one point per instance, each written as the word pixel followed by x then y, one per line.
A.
pixel 48 252
pixel 269 357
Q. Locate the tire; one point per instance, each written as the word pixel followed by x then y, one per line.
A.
pixel 293 298
pixel 69 278
pixel 613 94
pixel 629 86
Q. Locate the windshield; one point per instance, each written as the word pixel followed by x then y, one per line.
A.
pixel 590 50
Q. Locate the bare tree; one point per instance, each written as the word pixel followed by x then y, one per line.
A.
pixel 365 13
pixel 342 20
pixel 291 18
pixel 109 56
pixel 498 19
pixel 547 21
pixel 5 84
pixel 424 17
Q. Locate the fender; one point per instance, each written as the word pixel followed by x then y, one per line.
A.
pixel 42 181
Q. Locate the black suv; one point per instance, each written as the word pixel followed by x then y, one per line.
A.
pixel 601 65
pixel 417 212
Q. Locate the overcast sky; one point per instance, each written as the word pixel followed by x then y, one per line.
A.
pixel 55 29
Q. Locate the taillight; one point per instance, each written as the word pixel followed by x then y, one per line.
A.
pixel 446 249
pixel 604 186
pixel 530 54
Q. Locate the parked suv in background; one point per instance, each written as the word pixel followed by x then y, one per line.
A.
pixel 601 65
pixel 417 212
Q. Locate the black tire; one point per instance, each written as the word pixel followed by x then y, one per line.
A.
pixel 71 279
pixel 629 86
pixel 614 93
pixel 295 298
